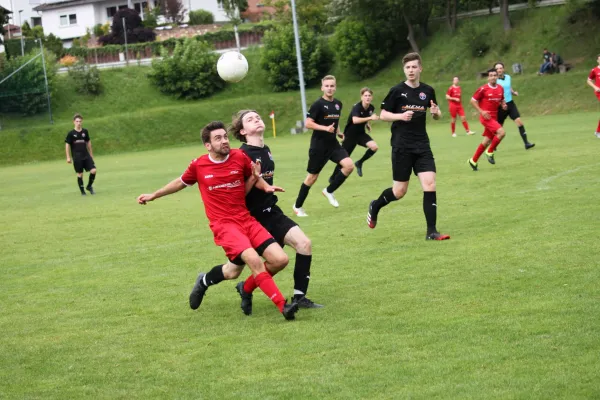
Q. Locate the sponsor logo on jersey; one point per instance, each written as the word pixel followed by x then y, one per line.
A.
pixel 337 107
pixel 235 171
pixel 403 95
pixel 208 176
pixel 422 96
pixel 228 185
pixel 411 107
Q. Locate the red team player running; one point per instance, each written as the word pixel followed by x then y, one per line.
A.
pixel 224 177
pixel 486 100
pixel 453 95
pixel 594 82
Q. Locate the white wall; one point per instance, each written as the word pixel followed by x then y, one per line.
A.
pixel 208 5
pixel 86 18
pixel 20 5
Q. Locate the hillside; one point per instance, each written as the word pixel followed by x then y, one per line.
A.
pixel 132 115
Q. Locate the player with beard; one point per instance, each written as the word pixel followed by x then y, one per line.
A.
pixel 406 107
pixel 224 176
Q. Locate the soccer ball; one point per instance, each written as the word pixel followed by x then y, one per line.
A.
pixel 232 66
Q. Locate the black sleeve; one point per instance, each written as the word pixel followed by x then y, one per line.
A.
pixel 356 110
pixel 87 135
pixel 69 138
pixel 433 98
pixel 389 103
pixel 315 111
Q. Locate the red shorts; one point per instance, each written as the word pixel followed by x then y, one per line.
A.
pixel 456 108
pixel 597 95
pixel 236 236
pixel 491 126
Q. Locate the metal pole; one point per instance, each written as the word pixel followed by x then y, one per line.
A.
pixel 12 18
pixel 237 39
pixel 299 58
pixel 125 34
pixel 21 29
pixel 46 80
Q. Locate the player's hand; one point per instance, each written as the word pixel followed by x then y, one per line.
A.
pixel 486 115
pixel 256 168
pixel 145 198
pixel 68 161
pixel 597 90
pixel 516 93
pixel 272 189
pixel 434 109
pixel 331 128
pixel 504 106
pixel 407 116
pixel 374 117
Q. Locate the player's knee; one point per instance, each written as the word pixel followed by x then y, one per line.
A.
pixel 347 168
pixel 399 192
pixel 311 179
pixel 501 133
pixel 279 260
pixel 374 147
pixel 429 185
pixel 232 271
pixel 304 246
pixel 93 171
pixel 80 174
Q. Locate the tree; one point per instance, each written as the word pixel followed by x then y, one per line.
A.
pixel 233 9
pixel 505 18
pixel 173 10
pixel 4 13
pixel 136 33
pixel 451 6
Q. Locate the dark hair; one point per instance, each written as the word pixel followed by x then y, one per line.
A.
pixel 499 63
pixel 77 116
pixel 492 70
pixel 365 89
pixel 209 128
pixel 237 124
pixel 411 57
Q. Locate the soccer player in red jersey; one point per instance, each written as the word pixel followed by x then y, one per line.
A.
pixel 224 176
pixel 594 81
pixel 453 96
pixel 486 100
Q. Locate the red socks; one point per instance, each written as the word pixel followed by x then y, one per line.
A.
pixel 466 125
pixel 266 283
pixel 598 128
pixel 478 152
pixel 250 284
pixel 495 142
pixel 453 126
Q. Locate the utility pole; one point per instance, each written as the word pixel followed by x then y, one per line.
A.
pixel 46 80
pixel 125 34
pixel 21 29
pixel 299 59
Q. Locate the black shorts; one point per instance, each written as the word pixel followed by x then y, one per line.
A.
pixel 404 161
pixel 276 223
pixel 318 157
pixel 86 163
pixel 350 142
pixel 511 111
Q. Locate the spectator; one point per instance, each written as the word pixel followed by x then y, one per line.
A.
pixel 547 64
pixel 557 61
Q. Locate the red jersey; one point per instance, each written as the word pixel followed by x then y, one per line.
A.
pixel 595 76
pixel 490 98
pixel 454 91
pixel 222 185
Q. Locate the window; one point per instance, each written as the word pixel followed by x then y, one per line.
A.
pixel 122 7
pixel 36 21
pixel 140 7
pixel 66 20
pixel 111 11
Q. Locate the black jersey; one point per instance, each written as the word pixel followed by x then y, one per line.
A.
pixel 358 111
pixel 78 142
pixel 402 98
pixel 325 113
pixel 258 200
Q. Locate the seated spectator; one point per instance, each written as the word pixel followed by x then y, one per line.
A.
pixel 547 64
pixel 556 61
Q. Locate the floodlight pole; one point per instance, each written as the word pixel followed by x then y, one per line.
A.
pixel 299 59
pixel 125 34
pixel 21 29
pixel 46 80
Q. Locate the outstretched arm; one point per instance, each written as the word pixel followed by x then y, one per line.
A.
pixel 68 151
pixel 172 187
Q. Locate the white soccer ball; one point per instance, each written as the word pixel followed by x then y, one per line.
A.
pixel 232 66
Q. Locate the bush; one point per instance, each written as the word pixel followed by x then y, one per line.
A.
pixel 278 58
pixel 136 32
pixel 190 73
pixel 201 17
pixel 25 92
pixel 86 79
pixel 68 61
pixel 359 49
pixel 477 38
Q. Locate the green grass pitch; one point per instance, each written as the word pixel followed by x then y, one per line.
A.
pixel 93 291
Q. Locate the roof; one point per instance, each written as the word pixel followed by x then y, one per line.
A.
pixel 63 3
pixel 6 11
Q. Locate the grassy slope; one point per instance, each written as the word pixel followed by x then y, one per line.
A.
pixel 133 115
pixel 94 290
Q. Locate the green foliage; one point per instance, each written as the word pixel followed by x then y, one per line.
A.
pixel 54 44
pixel 151 17
pixel 310 13
pixel 233 9
pixel 24 92
pixel 201 17
pixel 358 48
pixel 190 73
pixel 86 79
pixel 26 29
pixel 278 57
pixel 13 46
pixel 477 38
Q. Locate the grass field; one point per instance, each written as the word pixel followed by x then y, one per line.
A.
pixel 94 290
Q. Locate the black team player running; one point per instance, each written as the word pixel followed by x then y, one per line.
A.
pixel 248 127
pixel 406 107
pixel 324 119
pixel 79 143
pixel 359 119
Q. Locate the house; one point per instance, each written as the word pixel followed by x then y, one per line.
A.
pixel 70 19
pixel 208 5
pixel 257 10
pixel 27 14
